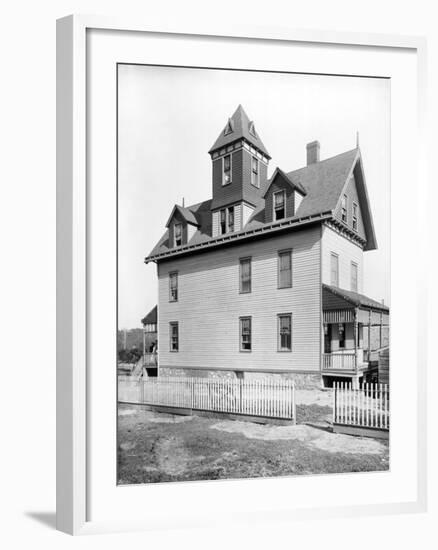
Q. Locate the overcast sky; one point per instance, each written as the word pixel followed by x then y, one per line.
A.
pixel 170 117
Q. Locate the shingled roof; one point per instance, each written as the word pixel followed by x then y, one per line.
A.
pixel 186 213
pixel 323 183
pixel 353 298
pixel 239 126
pixel 151 317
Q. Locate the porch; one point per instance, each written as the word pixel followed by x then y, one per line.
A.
pixel 356 330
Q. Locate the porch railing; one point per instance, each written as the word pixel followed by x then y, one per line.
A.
pixel 339 361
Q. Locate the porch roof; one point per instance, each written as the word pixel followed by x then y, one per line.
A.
pixel 334 298
pixel 151 317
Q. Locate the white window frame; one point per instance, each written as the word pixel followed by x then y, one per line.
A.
pixel 241 319
pixel 171 325
pixel 174 234
pixel 224 183
pixel 283 192
pixel 279 255
pixel 332 256
pixel 230 209
pixel 241 260
pixel 171 275
pixel 279 317
pixel 354 265
pixel 344 208
pixel 354 216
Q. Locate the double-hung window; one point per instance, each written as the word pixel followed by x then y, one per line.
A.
pixel 255 172
pixel 226 176
pixel 245 333
pixel 344 209
pixel 178 234
pixel 174 337
pixel 230 223
pixel 245 275
pixel 173 286
pixel 285 269
pixel 223 221
pixel 279 205
pixel 354 276
pixel 285 332
pixel 354 216
pixel 334 269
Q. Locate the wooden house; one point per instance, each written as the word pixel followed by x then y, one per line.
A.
pixel 266 277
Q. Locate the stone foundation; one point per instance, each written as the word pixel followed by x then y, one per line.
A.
pixel 303 381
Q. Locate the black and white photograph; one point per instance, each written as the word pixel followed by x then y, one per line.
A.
pixel 253 274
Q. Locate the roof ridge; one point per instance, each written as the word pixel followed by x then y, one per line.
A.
pixel 324 160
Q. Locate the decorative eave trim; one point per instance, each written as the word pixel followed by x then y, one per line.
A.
pixel 241 236
pixel 342 229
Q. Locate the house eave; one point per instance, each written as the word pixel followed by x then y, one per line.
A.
pixel 267 229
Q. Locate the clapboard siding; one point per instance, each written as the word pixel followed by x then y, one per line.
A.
pixel 348 252
pixel 209 306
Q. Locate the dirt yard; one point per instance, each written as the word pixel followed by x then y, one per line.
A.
pixel 155 447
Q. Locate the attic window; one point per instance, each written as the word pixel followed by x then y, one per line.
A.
pixel 354 217
pixel 344 209
pixel 252 129
pixel 178 234
pixel 279 205
pixel 228 127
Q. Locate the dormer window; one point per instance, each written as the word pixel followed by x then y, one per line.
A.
pixel 279 205
pixel 228 127
pixel 344 209
pixel 226 175
pixel 255 172
pixel 178 234
pixel 354 216
pixel 252 129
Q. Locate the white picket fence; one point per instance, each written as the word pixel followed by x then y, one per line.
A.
pixel 367 406
pixel 267 398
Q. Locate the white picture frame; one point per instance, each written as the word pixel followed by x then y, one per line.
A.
pixel 74 217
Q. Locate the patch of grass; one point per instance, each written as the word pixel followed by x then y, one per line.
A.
pixel 151 452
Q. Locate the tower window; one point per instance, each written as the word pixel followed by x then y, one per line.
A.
pixel 231 219
pixel 255 172
pixel 344 209
pixel 279 205
pixel 226 179
pixel 354 217
pixel 178 234
pixel 223 221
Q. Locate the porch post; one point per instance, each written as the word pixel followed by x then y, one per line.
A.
pixel 355 339
pixel 369 335
pixel 144 345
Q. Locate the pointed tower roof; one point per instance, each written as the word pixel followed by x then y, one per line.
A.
pixel 239 126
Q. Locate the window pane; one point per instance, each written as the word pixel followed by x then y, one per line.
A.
pixel 245 275
pixel 231 219
pixel 174 337
pixel 285 330
pixel 285 269
pixel 173 282
pixel 245 334
pixel 334 267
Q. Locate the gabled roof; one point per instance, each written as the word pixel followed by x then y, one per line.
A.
pixel 353 298
pixel 295 185
pixel 186 213
pixel 323 183
pixel 151 317
pixel 239 126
